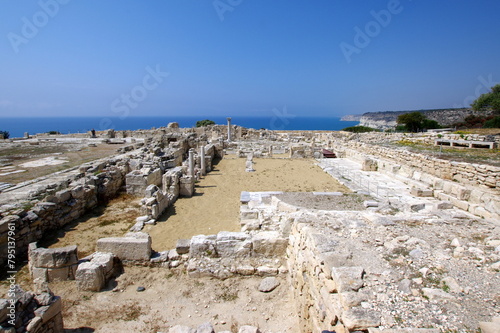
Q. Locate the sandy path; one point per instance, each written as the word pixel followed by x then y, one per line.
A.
pixel 215 207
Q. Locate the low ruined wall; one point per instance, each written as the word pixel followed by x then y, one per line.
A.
pixel 464 173
pixel 25 311
pixel 52 207
pixel 471 187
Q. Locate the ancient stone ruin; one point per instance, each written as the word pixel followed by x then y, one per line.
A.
pixel 414 248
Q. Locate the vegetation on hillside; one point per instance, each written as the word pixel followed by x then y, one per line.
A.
pixel 488 101
pixel 206 122
pixel 6 134
pixel 360 129
pixel 416 122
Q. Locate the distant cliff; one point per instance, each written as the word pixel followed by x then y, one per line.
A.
pixel 388 119
pixel 351 117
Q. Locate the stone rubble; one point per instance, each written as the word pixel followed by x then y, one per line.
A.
pixel 421 255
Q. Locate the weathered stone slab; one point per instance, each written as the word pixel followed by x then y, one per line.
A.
pixel 233 244
pixel 202 246
pixel 360 319
pixel 134 246
pixel 53 258
pixel 348 278
pixel 269 284
pixel 182 246
pixel 269 243
pixel 90 277
pixel 49 311
pixel 436 294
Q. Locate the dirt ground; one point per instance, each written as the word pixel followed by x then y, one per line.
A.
pixel 113 220
pixel 172 298
pixel 215 206
pixel 12 155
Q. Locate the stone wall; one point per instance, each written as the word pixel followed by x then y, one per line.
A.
pixel 52 207
pixel 38 312
pixel 471 187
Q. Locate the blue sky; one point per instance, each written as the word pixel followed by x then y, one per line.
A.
pixel 244 57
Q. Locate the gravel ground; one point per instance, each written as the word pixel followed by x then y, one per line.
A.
pixel 340 202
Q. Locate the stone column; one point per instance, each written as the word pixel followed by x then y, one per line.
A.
pixel 191 162
pixel 202 162
pixel 228 129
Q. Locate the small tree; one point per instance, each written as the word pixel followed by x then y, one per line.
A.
pixel 412 121
pixel 206 122
pixel 5 134
pixel 490 100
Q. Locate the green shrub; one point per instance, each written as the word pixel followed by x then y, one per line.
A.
pixel 206 122
pixel 5 134
pixel 492 123
pixel 53 132
pixel 360 129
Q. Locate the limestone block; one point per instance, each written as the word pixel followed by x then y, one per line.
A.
pixel 233 244
pixel 106 261
pixel 246 213
pixel 182 246
pixel 268 284
pixel 59 274
pixel 267 271
pixel 348 278
pixel 369 165
pixel 463 194
pixel 63 195
pixel 360 319
pixel 90 277
pixel 245 270
pixel 247 225
pixel 464 205
pixel 421 192
pixel 444 205
pixel 173 255
pixel 49 311
pixel 38 273
pixel 10 219
pixel 53 258
pixel 436 294
pixel 350 299
pixel 150 190
pixel 202 246
pixel 134 246
pixel 269 243
pixel 186 186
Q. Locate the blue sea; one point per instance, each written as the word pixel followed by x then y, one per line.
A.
pixel 18 126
